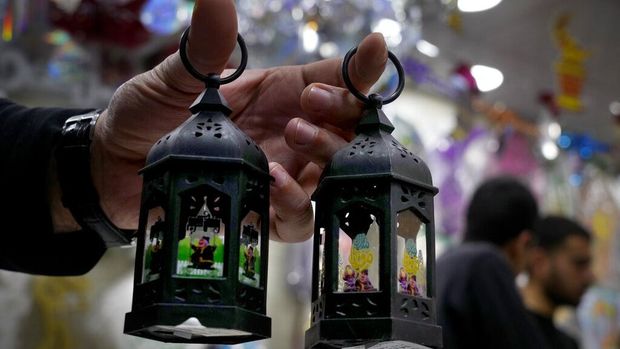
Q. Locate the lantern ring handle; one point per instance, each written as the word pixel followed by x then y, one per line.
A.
pixel 212 80
pixel 373 100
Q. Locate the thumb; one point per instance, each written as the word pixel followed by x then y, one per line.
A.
pixel 213 35
pixel 211 42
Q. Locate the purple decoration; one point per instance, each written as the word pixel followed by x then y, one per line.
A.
pixel 451 196
pixel 515 155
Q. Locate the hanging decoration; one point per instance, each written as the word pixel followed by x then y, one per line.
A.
pixel 599 318
pixel 451 198
pixel 570 66
pixel 165 17
pixel 113 23
pixel 6 14
pixel 583 144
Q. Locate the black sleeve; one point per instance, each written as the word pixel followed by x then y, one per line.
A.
pixel 504 321
pixel 27 241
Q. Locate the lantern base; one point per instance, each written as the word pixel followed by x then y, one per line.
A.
pixel 343 333
pixel 179 323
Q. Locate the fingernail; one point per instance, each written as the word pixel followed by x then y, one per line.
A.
pixel 279 175
pixel 305 133
pixel 320 98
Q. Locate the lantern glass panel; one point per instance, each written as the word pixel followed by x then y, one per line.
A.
pixel 358 251
pixel 321 260
pixel 202 233
pixel 153 244
pixel 249 250
pixel 411 238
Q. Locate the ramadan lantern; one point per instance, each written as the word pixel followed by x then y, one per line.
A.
pixel 374 251
pixel 201 262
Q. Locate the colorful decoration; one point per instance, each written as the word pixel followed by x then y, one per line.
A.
pixel 6 10
pixel 114 23
pixel 451 197
pixel 583 144
pixel 411 263
pixel 570 67
pixel 600 212
pixel 599 319
pixel 165 17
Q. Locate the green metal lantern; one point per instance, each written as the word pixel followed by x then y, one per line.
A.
pixel 374 250
pixel 201 262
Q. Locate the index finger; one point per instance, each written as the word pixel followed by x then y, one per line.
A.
pixel 365 67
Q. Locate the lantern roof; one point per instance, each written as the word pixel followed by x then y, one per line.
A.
pixel 375 153
pixel 209 135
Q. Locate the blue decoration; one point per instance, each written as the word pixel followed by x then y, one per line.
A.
pixel 361 242
pixel 160 16
pixel 411 247
pixel 582 144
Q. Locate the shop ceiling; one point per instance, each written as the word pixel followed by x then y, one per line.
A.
pixel 516 38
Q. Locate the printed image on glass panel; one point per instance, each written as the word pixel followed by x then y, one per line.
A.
pixel 411 255
pixel 358 251
pixel 153 259
pixel 202 234
pixel 249 250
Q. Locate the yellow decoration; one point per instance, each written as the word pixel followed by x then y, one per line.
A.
pixel 602 226
pixel 56 298
pixel 455 21
pixel 360 259
pixel 570 67
pixel 411 264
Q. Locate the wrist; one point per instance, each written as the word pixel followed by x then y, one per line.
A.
pixel 76 163
pixel 62 219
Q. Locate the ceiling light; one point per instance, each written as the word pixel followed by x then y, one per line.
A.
pixel 477 5
pixel 487 78
pixel 549 150
pixel 554 130
pixel 427 48
pixel 614 108
pixel 390 30
pixel 328 50
pixel 310 37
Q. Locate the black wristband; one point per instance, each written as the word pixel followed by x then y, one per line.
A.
pixel 78 192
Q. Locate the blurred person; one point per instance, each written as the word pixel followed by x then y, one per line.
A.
pixel 478 305
pixel 299 115
pixel 560 272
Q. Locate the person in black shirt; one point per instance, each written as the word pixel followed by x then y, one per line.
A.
pixel 560 272
pixel 299 115
pixel 478 305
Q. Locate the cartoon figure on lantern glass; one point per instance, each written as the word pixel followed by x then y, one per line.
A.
pixel 153 249
pixel 249 253
pixel 411 234
pixel 202 237
pixel 358 256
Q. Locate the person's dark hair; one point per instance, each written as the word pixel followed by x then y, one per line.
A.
pixel 552 231
pixel 500 209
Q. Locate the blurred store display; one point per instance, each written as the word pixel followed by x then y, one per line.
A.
pixel 553 120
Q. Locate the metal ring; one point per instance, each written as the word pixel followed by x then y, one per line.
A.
pixel 373 100
pixel 212 80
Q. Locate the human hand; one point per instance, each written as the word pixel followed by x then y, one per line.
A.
pixel 299 115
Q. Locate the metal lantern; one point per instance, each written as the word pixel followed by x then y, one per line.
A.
pixel 201 262
pixel 374 249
